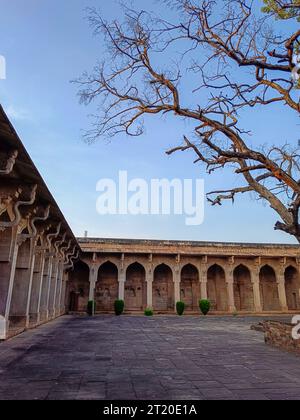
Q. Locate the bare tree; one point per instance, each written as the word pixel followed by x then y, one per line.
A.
pixel 238 61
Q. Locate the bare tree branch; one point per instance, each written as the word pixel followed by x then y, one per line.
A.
pixel 238 62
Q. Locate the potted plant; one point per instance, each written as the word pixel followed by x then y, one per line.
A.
pixel 204 306
pixel 119 307
pixel 91 308
pixel 180 307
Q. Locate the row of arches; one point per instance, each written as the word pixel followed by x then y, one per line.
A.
pixel 163 294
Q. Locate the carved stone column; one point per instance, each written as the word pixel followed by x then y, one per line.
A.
pixel 52 266
pixel 281 289
pixel 31 269
pixel 58 291
pixel 93 280
pixel 177 279
pixel 149 281
pixel 49 277
pixel 59 310
pixel 63 295
pixel 256 288
pixel 41 279
pixel 37 265
pixel 5 322
pixel 230 285
pixel 121 280
pixel 203 278
pixel 54 284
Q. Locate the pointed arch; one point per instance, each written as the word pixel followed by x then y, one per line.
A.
pixel 78 287
pixel 135 288
pixel 243 289
pixel 163 289
pixel 269 289
pixel 217 288
pixel 190 287
pixel 292 288
pixel 107 287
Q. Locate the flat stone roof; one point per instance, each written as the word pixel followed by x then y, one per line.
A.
pixel 114 241
pixel 188 248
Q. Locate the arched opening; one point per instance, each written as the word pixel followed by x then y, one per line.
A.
pixel 163 289
pixel 217 289
pixel 107 287
pixel 190 287
pixel 5 266
pixel 292 288
pixel 19 298
pixel 79 287
pixel 243 289
pixel 269 289
pixel 135 288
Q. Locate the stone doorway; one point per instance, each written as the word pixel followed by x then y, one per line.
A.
pixel 135 288
pixel 79 287
pixel 292 288
pixel 163 289
pixel 269 289
pixel 217 288
pixel 190 287
pixel 107 287
pixel 243 289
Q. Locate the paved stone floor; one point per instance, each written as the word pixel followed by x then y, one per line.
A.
pixel 146 358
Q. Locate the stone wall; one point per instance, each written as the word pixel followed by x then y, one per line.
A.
pixel 279 335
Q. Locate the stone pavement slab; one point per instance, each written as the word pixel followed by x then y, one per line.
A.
pixel 134 358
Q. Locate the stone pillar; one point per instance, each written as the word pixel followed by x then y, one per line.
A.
pixel 122 279
pixel 149 280
pixel 230 291
pixel 230 286
pixel 281 290
pixel 59 289
pixel 203 280
pixel 40 288
pixel 49 276
pixel 93 280
pixel 256 289
pixel 63 296
pixel 31 270
pixel 5 322
pixel 57 267
pixel 177 285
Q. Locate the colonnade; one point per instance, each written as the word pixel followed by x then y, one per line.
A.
pixel 37 248
pixel 232 284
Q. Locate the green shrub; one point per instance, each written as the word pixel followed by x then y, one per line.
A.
pixel 148 312
pixel 180 307
pixel 204 306
pixel 91 308
pixel 119 307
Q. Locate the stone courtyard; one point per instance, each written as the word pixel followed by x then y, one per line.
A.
pixel 157 358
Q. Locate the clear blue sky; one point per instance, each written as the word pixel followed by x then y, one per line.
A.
pixel 48 43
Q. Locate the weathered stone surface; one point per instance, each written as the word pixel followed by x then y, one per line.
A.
pixel 279 334
pixel 109 357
